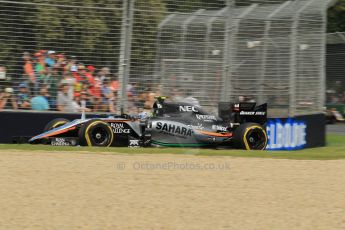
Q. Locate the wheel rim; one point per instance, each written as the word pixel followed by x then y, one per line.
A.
pixel 99 136
pixel 256 139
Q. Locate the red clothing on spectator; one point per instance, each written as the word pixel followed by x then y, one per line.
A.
pixel 29 71
pixel 77 77
pixel 96 89
pixel 95 85
pixel 90 79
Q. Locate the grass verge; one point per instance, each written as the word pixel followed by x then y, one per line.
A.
pixel 335 149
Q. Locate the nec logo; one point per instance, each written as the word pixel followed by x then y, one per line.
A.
pixel 188 108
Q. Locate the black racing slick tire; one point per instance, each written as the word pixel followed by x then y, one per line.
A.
pixel 250 136
pixel 55 123
pixel 96 133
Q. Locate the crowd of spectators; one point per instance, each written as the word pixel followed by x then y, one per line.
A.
pixel 51 81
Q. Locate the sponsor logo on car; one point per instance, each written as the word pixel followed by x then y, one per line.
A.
pixel 59 141
pixel 198 126
pixel 252 113
pixel 206 117
pixel 219 128
pixel 133 143
pixel 119 128
pixel 188 108
pixel 174 129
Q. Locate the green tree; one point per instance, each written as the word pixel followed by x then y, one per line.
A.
pixel 336 17
pixel 193 5
pixel 87 31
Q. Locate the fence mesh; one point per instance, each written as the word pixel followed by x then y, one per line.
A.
pixel 64 52
pixel 267 51
pixel 111 55
pixel 335 68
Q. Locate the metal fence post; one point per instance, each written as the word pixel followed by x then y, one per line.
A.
pixel 230 50
pixel 225 65
pixel 268 25
pixel 322 98
pixel 293 60
pixel 209 30
pixel 161 25
pixel 125 52
pixel 183 37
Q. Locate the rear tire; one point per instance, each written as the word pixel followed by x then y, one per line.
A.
pixel 250 136
pixel 55 123
pixel 96 133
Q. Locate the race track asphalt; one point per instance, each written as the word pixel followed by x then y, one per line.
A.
pixel 336 129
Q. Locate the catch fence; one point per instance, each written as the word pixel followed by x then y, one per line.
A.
pixel 224 50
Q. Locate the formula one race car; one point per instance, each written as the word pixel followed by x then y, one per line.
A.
pixel 172 124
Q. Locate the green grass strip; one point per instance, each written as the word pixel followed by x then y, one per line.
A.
pixel 334 150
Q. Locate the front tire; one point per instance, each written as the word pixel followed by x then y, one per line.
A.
pixel 55 123
pixel 96 133
pixel 250 136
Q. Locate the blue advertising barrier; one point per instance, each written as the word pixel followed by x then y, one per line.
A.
pixel 288 135
pixel 299 132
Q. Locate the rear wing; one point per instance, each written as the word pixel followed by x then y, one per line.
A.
pixel 243 112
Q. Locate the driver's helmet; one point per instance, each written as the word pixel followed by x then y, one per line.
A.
pixel 157 109
pixel 143 115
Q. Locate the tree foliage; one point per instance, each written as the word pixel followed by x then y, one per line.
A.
pixel 89 33
pixel 336 17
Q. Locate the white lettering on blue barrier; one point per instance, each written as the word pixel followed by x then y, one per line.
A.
pixel 290 135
